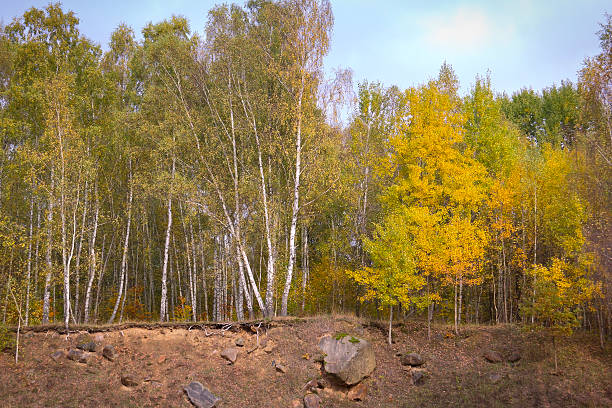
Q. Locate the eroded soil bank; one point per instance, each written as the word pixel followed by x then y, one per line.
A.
pixel 164 359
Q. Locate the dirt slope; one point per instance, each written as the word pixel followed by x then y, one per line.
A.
pixel 164 360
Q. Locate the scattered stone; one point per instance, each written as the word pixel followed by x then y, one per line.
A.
pixel 280 368
pixel 90 346
pixel 270 346
pixel 312 401
pixel 514 357
pixel 310 385
pixel 78 355
pixel 412 359
pixel 348 358
pixel 323 383
pixel 358 392
pixel 98 338
pixel 240 342
pixel 495 377
pixel 161 359
pixel 297 404
pixel 418 377
pixel 162 331
pixel 230 354
pixel 200 396
pixel 492 356
pixel 59 354
pixel 109 352
pixel 129 380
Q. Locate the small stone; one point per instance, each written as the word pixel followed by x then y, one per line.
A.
pixel 161 359
pixel 230 354
pixel 310 385
pixel 83 338
pixel 495 377
pixel 418 376
pixel 129 380
pixel 59 354
pixel 312 401
pixel 297 404
pixel 412 359
pixel 200 396
pixel 162 331
pixel 90 346
pixel 269 347
pixel 323 383
pixel 98 338
pixel 514 357
pixel 280 368
pixel 239 342
pixel 78 355
pixel 109 352
pixel 492 356
pixel 358 392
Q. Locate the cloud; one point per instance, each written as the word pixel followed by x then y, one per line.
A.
pixel 464 29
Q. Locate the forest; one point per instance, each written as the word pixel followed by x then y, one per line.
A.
pixel 217 176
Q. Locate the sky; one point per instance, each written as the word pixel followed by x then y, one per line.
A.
pixel 521 43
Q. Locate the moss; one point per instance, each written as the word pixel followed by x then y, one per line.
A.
pixel 340 336
pixel 354 340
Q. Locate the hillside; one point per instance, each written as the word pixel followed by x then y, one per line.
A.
pixel 162 360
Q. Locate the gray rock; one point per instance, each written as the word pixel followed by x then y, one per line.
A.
pixel 492 356
pixel 494 377
pixel 98 338
pixel 78 355
pixel 59 354
pixel 200 396
pixel 89 346
pixel 240 342
pixel 280 368
pixel 418 376
pixel 109 352
pixel 348 358
pixel 129 380
pixel 230 354
pixel 412 359
pixel 312 401
pixel 514 357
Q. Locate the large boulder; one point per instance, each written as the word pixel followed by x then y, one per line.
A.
pixel 349 358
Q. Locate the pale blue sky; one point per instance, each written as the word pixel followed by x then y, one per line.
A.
pixel 523 43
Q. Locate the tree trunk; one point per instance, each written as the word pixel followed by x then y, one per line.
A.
pixel 92 261
pixel 163 312
pixel 125 250
pixel 48 260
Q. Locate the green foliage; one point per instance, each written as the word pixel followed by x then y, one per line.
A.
pixel 7 338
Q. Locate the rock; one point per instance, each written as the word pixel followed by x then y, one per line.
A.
pixel 492 356
pixel 319 358
pixel 270 346
pixel 514 357
pixel 98 338
pixel 240 342
pixel 200 396
pixel 59 354
pixel 310 385
pixel 323 383
pixel 412 359
pixel 109 352
pixel 280 368
pixel 90 346
pixel 78 355
pixel 494 377
pixel 129 380
pixel 230 354
pixel 418 376
pixel 161 359
pixel 358 392
pixel 348 358
pixel 297 404
pixel 312 401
